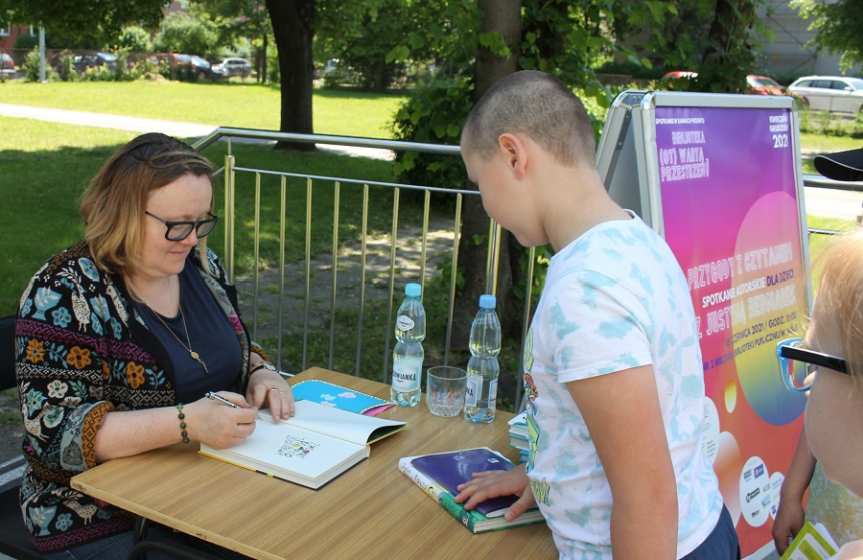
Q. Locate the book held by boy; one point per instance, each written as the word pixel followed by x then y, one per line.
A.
pixel 439 475
pixel 313 447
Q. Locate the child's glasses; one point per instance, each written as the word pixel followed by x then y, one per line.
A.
pixel 797 365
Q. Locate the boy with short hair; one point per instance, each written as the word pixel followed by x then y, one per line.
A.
pixel 613 378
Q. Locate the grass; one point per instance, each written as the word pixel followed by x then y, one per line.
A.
pixel 821 143
pixel 241 105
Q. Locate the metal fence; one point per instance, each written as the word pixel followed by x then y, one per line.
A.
pixel 313 183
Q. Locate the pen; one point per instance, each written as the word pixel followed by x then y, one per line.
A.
pixel 223 400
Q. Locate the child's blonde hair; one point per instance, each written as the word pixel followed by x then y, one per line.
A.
pixel 841 292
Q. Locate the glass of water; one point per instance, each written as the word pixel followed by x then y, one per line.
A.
pixel 445 386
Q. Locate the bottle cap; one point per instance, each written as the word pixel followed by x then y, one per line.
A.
pixel 413 290
pixel 487 301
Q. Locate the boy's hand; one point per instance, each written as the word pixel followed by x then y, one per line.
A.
pixel 491 484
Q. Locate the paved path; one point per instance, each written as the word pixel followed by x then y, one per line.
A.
pixel 138 124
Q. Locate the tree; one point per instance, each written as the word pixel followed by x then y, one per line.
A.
pixel 74 23
pixel 188 32
pixel 135 39
pixel 360 35
pixel 835 27
pixel 242 18
pixel 293 30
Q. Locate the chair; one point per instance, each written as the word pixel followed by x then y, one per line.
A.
pixel 14 536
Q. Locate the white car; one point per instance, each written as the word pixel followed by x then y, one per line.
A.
pixel 830 93
pixel 234 67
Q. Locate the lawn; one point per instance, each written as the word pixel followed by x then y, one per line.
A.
pixel 243 105
pixel 821 143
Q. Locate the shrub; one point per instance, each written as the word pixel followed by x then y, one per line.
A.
pixel 66 68
pixel 30 68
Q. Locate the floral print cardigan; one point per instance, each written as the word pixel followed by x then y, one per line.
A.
pixel 82 351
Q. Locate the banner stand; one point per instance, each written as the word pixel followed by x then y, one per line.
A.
pixel 719 177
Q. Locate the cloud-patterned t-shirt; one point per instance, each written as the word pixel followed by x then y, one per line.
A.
pixel 614 299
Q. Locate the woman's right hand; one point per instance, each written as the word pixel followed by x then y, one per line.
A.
pixel 217 425
pixel 789 521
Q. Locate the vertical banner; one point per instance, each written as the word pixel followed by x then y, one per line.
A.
pixel 730 213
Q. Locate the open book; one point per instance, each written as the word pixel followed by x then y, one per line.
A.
pixel 439 474
pixel 316 445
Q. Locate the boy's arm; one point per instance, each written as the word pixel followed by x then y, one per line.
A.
pixel 623 414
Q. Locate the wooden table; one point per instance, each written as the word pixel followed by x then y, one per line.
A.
pixel 371 511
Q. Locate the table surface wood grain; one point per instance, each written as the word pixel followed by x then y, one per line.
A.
pixel 370 511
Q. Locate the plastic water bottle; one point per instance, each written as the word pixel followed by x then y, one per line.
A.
pixel 483 369
pixel 408 352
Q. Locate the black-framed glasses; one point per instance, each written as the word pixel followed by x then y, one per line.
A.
pixel 798 365
pixel 180 230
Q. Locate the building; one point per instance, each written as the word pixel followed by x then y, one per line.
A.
pixel 10 34
pixel 788 54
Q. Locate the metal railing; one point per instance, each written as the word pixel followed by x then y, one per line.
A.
pixel 313 184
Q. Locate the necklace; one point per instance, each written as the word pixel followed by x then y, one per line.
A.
pixel 188 346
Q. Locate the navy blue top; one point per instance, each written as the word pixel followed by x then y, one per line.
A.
pixel 210 334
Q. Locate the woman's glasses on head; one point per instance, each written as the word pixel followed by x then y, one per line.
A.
pixel 180 230
pixel 798 365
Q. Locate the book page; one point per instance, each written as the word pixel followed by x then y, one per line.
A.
pixel 355 428
pixel 284 447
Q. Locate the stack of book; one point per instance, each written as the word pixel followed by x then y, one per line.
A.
pixel 518 435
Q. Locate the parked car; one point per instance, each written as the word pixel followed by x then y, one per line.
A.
pixel 234 66
pixel 7 66
pixel 678 74
pixel 194 67
pixel 763 85
pixel 84 61
pixel 830 93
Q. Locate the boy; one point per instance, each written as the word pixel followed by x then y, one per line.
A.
pixel 613 377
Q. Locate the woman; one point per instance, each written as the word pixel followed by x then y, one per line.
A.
pixel 834 410
pixel 119 338
pixel 834 505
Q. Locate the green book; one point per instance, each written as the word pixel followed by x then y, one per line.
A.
pixel 813 542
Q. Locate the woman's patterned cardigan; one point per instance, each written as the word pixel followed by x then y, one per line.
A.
pixel 82 351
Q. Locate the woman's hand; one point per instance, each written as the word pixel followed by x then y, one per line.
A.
pixel 491 484
pixel 218 425
pixel 267 389
pixel 789 521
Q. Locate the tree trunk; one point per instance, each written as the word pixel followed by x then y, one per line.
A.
pixel 728 57
pixel 504 17
pixel 264 77
pixel 293 29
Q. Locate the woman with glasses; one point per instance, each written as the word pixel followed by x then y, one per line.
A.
pixel 119 338
pixel 827 365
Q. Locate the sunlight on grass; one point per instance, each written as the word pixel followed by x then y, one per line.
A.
pixel 241 105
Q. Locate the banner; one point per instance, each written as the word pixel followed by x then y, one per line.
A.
pixel 730 213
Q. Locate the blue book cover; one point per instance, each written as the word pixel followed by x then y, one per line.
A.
pixel 330 394
pixel 454 468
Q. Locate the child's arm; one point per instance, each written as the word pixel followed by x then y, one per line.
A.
pixel 623 414
pixel 790 517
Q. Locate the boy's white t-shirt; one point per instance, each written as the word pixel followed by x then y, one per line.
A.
pixel 614 299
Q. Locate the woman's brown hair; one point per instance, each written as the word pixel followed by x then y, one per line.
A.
pixel 114 203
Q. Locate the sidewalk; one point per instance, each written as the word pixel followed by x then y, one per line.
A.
pixel 137 124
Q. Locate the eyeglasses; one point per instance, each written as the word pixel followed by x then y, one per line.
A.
pixel 178 231
pixel 798 365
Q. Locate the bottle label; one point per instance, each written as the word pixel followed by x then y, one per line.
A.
pixel 404 323
pixel 406 374
pixel 472 390
pixel 492 393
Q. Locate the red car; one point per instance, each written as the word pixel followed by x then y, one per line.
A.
pixel 762 85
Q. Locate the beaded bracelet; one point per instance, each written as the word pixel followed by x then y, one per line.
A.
pixel 182 417
pixel 263 365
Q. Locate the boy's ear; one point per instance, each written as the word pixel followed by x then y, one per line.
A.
pixel 514 151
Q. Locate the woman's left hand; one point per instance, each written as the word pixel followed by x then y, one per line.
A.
pixel 267 389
